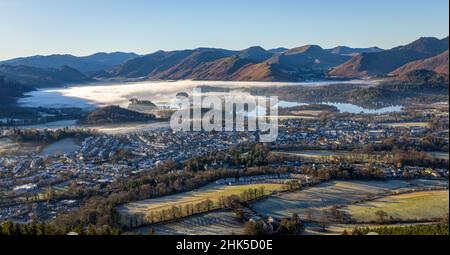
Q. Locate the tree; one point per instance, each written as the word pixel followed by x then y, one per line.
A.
pixel 91 230
pixel 381 215
pixel 291 226
pixel 445 219
pixel 50 194
pixel 337 214
pixel 324 222
pixel 254 228
pixel 309 215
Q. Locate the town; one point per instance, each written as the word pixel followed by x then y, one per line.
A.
pixel 30 181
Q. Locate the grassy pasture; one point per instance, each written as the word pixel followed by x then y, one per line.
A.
pixel 211 192
pixel 407 124
pixel 311 154
pixel 313 201
pixel 417 206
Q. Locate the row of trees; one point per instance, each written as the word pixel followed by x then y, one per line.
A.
pixel 47 135
pixel 44 229
pixel 435 229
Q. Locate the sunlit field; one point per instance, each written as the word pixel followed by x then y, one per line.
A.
pixel 211 192
pixel 417 206
pixel 311 202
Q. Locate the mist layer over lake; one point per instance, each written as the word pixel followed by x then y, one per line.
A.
pixel 162 93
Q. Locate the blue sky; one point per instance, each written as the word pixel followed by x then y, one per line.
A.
pixel 82 27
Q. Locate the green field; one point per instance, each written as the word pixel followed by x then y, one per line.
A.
pixel 407 124
pixel 318 154
pixel 211 192
pixel 417 206
pixel 314 200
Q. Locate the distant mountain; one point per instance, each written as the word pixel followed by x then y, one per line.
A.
pixel 255 53
pixel 426 45
pixel 88 64
pixel 40 77
pixel 308 57
pixel 115 114
pixel 225 52
pixel 189 67
pixel 438 64
pixel 278 50
pixel 146 65
pixel 344 50
pixel 221 69
pixel 307 62
pixel 202 63
pixel 384 62
pixel 254 64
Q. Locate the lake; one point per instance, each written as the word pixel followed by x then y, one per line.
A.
pixel 163 93
pixel 349 108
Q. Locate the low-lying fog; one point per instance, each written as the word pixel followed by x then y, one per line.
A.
pixel 161 93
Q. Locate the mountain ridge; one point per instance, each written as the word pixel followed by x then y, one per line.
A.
pixel 85 64
pixel 384 62
pixel 42 77
pixel 307 62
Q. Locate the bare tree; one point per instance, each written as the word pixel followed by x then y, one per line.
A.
pixel 382 215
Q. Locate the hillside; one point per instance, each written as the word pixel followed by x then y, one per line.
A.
pixel 221 69
pixel 438 64
pixel 384 62
pixel 146 65
pixel 10 90
pixel 190 67
pixel 424 77
pixel 87 64
pixel 40 77
pixel 259 72
pixel 114 114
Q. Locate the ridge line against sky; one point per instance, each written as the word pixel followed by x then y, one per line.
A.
pixel 85 27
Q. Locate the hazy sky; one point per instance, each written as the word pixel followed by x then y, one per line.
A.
pixel 82 27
